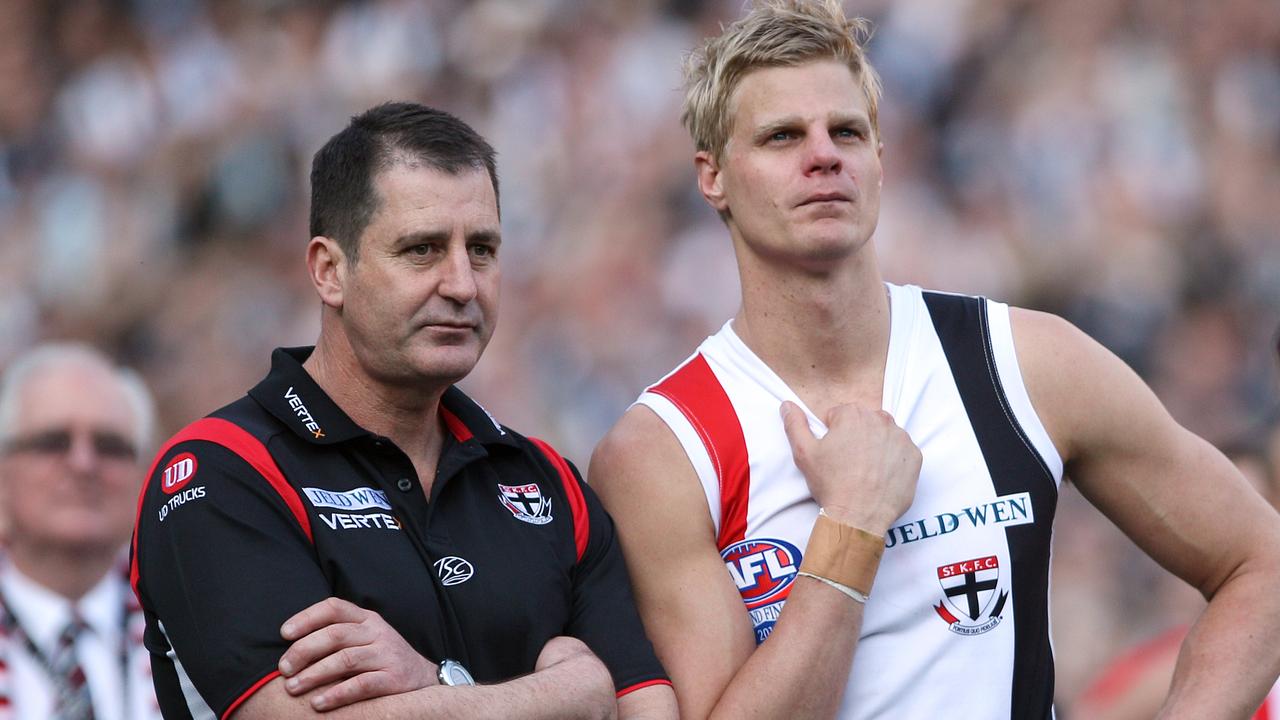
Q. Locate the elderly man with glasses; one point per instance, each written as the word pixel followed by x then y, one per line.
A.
pixel 72 429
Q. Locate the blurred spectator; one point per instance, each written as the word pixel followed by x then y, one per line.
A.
pixel 1114 161
pixel 72 430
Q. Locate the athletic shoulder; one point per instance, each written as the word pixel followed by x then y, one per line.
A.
pixel 639 444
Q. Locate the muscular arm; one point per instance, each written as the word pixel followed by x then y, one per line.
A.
pixel 690 606
pixel 1178 498
pixel 567 682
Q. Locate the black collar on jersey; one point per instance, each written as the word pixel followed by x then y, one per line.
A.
pixel 475 420
pixel 290 394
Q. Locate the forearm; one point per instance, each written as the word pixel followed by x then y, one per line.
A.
pixel 575 688
pixel 1231 657
pixel 801 670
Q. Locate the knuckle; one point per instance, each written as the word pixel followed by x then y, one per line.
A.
pixel 349 659
pixel 363 685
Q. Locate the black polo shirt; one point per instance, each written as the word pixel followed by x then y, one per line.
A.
pixel 279 500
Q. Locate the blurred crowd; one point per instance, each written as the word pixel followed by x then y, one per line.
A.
pixel 1114 161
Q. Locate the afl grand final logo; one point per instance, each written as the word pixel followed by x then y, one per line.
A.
pixel 764 570
pixel 972 590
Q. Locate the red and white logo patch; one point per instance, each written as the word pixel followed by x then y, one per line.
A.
pixel 972 590
pixel 178 473
pixel 526 502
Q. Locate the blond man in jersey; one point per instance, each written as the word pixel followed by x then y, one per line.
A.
pixel 1003 403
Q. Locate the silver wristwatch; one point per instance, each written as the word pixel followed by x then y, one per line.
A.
pixel 453 674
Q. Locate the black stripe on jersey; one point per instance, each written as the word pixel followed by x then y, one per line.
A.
pixel 1015 467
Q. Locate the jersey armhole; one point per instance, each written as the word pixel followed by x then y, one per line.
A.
pixel 1015 390
pixel 694 449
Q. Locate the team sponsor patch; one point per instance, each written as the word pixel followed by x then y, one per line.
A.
pixel 300 409
pixel 365 498
pixel 764 570
pixel 453 570
pixel 180 498
pixel 178 473
pixel 1006 511
pixel 526 502
pixel 174 482
pixel 972 602
pixel 362 521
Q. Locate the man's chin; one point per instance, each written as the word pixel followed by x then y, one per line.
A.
pixel 446 365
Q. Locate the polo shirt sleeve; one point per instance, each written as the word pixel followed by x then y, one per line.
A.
pixel 222 561
pixel 604 610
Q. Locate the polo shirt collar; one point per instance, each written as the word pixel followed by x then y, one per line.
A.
pixel 467 420
pixel 290 394
pixel 293 397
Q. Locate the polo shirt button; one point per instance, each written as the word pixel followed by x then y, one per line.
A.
pixel 405 484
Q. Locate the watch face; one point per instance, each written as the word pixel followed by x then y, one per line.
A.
pixel 453 674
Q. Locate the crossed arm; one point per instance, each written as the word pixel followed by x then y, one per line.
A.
pixel 349 664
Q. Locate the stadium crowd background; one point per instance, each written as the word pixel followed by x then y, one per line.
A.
pixel 1114 161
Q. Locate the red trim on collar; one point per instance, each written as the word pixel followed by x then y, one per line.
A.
pixel 459 429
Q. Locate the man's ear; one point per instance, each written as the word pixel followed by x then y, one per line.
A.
pixel 327 265
pixel 710 180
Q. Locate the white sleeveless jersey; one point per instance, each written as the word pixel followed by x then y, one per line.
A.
pixel 957 624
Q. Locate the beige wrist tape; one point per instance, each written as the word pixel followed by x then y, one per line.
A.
pixel 843 553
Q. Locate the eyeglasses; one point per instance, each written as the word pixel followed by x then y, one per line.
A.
pixel 49 443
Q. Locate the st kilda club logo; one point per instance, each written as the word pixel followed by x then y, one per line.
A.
pixel 526 502
pixel 764 570
pixel 972 600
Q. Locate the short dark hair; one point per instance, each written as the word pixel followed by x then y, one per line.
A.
pixel 342 172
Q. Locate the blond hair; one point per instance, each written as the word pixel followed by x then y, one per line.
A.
pixel 776 33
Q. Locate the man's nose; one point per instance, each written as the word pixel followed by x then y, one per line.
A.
pixel 82 456
pixel 458 282
pixel 824 156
